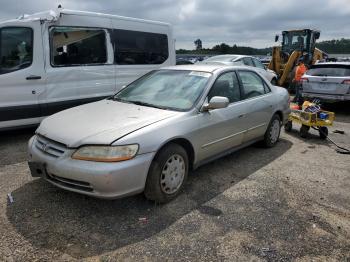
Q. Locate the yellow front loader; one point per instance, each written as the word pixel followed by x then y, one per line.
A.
pixel 295 44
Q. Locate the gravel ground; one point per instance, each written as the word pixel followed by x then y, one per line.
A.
pixel 291 202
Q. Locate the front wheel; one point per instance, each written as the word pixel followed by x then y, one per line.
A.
pixel 167 174
pixel 304 131
pixel 273 132
pixel 323 131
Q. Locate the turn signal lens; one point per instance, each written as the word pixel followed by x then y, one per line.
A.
pixel 106 153
pixel 346 82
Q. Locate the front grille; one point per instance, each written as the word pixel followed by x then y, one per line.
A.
pixel 71 183
pixel 50 147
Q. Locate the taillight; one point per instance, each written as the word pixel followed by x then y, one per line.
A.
pixel 304 80
pixel 346 82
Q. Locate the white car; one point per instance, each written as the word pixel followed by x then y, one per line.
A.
pixel 270 75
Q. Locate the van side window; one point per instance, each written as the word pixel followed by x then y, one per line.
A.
pixel 252 84
pixel 16 48
pixel 72 46
pixel 139 48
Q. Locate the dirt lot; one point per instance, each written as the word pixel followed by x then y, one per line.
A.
pixel 291 202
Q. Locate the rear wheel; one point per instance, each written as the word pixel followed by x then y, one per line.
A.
pixel 323 131
pixel 288 126
pixel 273 132
pixel 167 174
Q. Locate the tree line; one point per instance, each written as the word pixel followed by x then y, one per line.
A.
pixel 341 46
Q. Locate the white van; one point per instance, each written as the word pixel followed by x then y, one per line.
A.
pixel 51 61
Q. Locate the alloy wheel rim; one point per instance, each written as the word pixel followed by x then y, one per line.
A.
pixel 173 174
pixel 275 130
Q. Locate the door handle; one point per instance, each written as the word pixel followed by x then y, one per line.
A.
pixel 32 77
pixel 240 116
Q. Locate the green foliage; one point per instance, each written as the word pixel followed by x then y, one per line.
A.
pixel 341 46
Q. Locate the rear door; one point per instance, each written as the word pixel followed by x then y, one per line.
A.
pixel 222 129
pixel 259 102
pixel 22 76
pixel 332 79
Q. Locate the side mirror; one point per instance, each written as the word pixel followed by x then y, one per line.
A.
pixel 216 102
pixel 276 38
pixel 317 35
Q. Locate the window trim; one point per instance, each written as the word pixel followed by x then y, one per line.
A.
pixel 105 30
pixel 242 86
pixel 32 42
pixel 239 86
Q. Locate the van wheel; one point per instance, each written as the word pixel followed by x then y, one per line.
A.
pixel 167 174
pixel 273 131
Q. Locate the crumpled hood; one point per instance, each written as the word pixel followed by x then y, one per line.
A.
pixel 99 123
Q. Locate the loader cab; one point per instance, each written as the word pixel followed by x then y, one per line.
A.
pixel 299 40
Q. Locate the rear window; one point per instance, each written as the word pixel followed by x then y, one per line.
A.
pixel 329 70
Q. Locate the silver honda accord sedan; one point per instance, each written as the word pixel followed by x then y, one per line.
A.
pixel 149 135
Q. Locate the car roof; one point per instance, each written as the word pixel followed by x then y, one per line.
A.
pixel 210 68
pixel 333 63
pixel 232 55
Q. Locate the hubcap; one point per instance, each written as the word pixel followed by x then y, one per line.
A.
pixel 275 131
pixel 173 174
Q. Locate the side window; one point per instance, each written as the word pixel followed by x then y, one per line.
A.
pixel 253 85
pixel 258 64
pixel 226 85
pixel 72 46
pixel 248 61
pixel 139 48
pixel 16 48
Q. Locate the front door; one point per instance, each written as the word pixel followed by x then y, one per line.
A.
pixel 22 76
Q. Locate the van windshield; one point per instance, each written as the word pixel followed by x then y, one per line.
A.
pixel 16 48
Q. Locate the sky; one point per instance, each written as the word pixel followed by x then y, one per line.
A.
pixel 243 22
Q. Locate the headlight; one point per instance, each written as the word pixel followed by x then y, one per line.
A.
pixel 106 153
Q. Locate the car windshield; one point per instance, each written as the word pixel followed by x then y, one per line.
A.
pixel 16 48
pixel 166 89
pixel 330 70
pixel 221 58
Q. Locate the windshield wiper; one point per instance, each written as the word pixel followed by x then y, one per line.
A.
pixel 140 103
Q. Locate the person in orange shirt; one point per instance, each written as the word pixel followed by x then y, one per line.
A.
pixel 299 72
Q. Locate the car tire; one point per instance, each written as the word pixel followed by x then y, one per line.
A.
pixel 167 174
pixel 273 132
